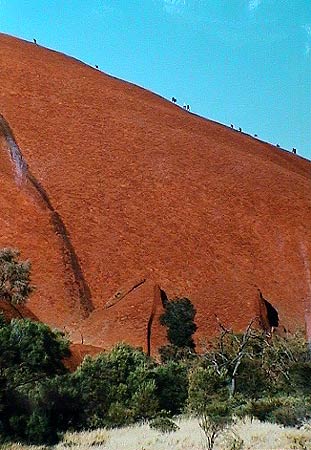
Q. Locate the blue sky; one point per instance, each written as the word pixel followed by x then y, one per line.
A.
pixel 246 62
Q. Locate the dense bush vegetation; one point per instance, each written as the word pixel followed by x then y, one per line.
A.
pixel 254 375
pixel 39 399
pixel 116 388
pixel 30 358
pixel 267 377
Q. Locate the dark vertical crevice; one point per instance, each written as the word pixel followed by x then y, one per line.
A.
pixel 149 329
pixel 164 298
pixel 272 314
pixel 69 254
pixel 269 317
pixel 151 318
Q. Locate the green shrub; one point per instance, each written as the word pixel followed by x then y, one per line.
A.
pixel 28 348
pixel 118 415
pixel 58 400
pixel 144 402
pixel 119 380
pixel 30 355
pixel 287 411
pixel 209 400
pixel 171 381
pixel 39 430
pixel 15 286
pixel 171 352
pixel 259 366
pixel 286 362
pixel 216 417
pixel 178 317
pixel 164 425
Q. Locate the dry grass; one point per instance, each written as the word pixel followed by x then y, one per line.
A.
pixel 266 436
pixel 254 434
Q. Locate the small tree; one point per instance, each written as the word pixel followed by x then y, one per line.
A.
pixel 260 365
pixel 171 386
pixel 15 284
pixel 178 317
pixel 31 355
pixel 209 400
pixel 230 350
pixel 117 388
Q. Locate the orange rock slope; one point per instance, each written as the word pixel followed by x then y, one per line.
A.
pixel 125 195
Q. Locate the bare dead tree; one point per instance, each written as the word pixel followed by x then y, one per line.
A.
pixel 220 359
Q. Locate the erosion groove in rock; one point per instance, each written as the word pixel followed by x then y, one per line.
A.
pixel 121 293
pixel 148 190
pixel 70 257
pixel 156 298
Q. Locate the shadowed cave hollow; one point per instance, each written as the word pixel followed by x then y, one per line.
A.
pixel 164 298
pixel 272 314
pixel 269 317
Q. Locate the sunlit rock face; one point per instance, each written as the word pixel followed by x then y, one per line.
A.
pixel 145 191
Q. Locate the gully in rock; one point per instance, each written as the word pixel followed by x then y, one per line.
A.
pixel 23 175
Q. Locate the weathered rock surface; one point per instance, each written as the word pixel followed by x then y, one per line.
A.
pixel 146 191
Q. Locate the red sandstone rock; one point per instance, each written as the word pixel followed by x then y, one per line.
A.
pixel 147 191
pixel 15 312
pixel 78 352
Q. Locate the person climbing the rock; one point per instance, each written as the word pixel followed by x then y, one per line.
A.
pixel 294 151
pixel 35 41
pixel 188 107
pixel 174 100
